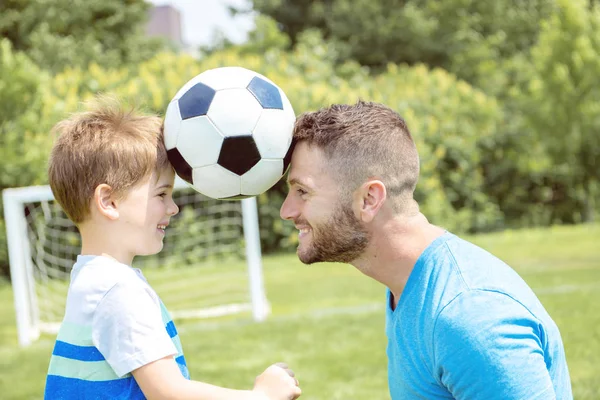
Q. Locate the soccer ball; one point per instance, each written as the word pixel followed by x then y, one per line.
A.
pixel 228 133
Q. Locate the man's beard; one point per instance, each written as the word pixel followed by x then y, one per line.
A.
pixel 341 239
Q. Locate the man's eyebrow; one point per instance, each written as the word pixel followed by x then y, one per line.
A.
pixel 296 181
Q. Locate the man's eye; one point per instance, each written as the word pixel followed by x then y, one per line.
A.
pixel 301 191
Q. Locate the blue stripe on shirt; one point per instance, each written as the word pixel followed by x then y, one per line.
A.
pixel 181 360
pixel 61 388
pixel 171 330
pixel 81 353
pixel 183 367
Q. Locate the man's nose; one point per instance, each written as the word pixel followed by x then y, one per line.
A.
pixel 287 210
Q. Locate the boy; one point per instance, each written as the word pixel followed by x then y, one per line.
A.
pixel 110 173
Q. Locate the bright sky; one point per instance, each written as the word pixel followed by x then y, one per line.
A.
pixel 200 19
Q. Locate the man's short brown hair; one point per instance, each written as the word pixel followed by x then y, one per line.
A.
pixel 365 141
pixel 105 144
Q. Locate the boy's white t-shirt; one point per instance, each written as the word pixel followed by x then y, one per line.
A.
pixel 123 310
pixel 114 323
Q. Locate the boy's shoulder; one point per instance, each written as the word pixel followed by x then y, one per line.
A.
pixel 101 269
pixel 93 277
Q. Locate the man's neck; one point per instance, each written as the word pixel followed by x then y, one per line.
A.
pixel 394 250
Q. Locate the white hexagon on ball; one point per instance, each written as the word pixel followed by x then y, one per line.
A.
pixel 199 142
pixel 227 78
pixel 262 177
pixel 234 111
pixel 273 133
pixel 216 182
pixel 287 106
pixel 172 124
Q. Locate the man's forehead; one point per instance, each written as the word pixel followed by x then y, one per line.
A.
pixel 305 156
pixel 308 166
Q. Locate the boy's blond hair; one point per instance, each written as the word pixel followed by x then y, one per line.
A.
pixel 106 144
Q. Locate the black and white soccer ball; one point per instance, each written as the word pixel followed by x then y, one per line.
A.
pixel 228 133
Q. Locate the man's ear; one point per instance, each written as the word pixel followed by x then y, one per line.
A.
pixel 368 199
pixel 104 201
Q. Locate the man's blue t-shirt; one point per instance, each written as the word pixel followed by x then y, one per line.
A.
pixel 468 327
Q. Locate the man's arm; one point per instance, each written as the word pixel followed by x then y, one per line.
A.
pixel 162 379
pixel 489 346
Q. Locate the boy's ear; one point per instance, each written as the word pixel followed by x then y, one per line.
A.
pixel 369 198
pixel 104 201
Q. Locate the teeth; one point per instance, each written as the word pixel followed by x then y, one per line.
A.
pixel 163 227
pixel 304 230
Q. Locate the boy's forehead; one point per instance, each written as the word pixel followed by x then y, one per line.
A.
pixel 165 175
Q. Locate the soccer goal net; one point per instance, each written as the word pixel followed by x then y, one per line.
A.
pixel 210 265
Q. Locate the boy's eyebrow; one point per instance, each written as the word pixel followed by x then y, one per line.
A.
pixel 165 186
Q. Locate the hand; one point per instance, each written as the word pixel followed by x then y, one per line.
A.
pixel 278 382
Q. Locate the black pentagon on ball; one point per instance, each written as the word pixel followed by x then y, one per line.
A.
pixel 266 93
pixel 239 154
pixel 182 168
pixel 287 159
pixel 196 101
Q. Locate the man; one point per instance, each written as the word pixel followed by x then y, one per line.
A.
pixel 461 324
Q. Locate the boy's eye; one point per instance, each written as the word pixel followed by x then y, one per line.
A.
pixel 162 194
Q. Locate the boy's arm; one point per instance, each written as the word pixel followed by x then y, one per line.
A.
pixel 162 379
pixel 129 332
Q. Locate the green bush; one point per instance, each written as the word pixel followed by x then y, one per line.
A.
pixel 23 140
pixel 447 117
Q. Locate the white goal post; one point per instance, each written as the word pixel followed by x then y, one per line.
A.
pixel 200 273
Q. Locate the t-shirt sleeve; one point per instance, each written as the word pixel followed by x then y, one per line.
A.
pixel 127 327
pixel 489 346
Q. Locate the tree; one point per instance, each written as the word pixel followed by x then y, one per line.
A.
pixel 455 34
pixel 563 97
pixel 263 38
pixel 293 16
pixel 60 33
pixel 22 139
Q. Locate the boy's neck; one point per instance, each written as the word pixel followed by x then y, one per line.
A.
pixel 112 255
pixel 96 243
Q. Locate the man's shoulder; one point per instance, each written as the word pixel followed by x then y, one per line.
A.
pixel 478 268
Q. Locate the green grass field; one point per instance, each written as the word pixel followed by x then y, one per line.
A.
pixel 327 321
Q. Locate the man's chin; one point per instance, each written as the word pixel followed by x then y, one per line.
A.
pixel 306 258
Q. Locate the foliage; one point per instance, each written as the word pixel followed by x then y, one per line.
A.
pixel 447 116
pixel 563 99
pixel 263 38
pixel 517 149
pixel 448 119
pixel 464 36
pixel 22 148
pixel 60 33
